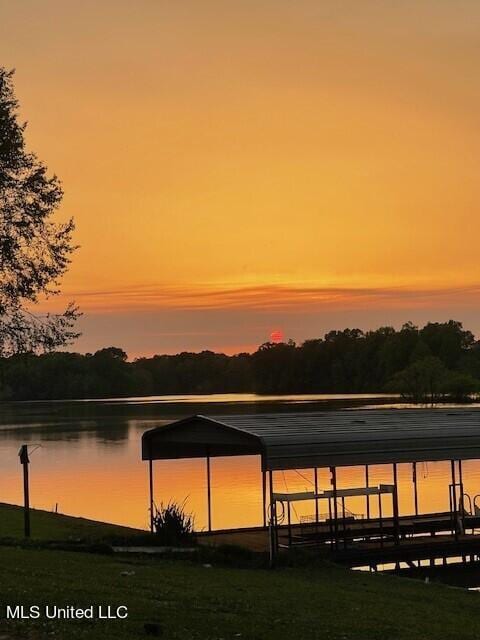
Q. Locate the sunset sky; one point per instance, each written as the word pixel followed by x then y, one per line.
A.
pixel 240 167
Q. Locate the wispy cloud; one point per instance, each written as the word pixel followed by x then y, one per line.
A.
pixel 272 297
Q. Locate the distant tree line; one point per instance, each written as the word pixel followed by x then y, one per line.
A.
pixel 438 361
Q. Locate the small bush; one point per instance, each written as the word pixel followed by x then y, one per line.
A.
pixel 172 524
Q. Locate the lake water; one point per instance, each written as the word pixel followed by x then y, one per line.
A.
pixel 88 460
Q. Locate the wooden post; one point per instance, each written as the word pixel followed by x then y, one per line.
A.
pixel 209 495
pixel 24 461
pixel 315 475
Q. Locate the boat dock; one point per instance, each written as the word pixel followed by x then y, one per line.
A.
pixel 333 440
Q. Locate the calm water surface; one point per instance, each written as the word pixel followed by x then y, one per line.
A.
pixel 88 460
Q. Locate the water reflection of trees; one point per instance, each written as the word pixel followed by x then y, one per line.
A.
pixel 116 432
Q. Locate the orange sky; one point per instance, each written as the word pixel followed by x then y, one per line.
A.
pixel 238 167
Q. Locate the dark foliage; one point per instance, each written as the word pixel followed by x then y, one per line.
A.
pixel 424 365
pixel 428 381
pixel 173 525
pixel 34 250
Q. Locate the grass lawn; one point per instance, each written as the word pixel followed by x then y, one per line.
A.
pixel 49 526
pixel 191 601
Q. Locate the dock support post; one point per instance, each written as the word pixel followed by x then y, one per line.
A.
pixel 315 477
pixel 330 524
pixel 272 522
pixel 344 524
pixel 380 518
pixel 368 497
pixel 396 523
pixel 264 497
pixel 415 488
pixel 460 504
pixel 289 520
pixel 150 485
pixel 333 471
pixel 453 501
pixel 209 495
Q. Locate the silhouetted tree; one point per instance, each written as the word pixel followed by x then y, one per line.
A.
pixel 428 381
pixel 447 341
pixel 34 250
pixel 422 381
pixel 275 368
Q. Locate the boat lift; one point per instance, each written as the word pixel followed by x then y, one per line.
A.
pixel 337 518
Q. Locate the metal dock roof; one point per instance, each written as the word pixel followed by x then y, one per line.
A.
pixel 331 438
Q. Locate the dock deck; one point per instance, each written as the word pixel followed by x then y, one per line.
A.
pixel 350 529
pixel 412 550
pixel 367 542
